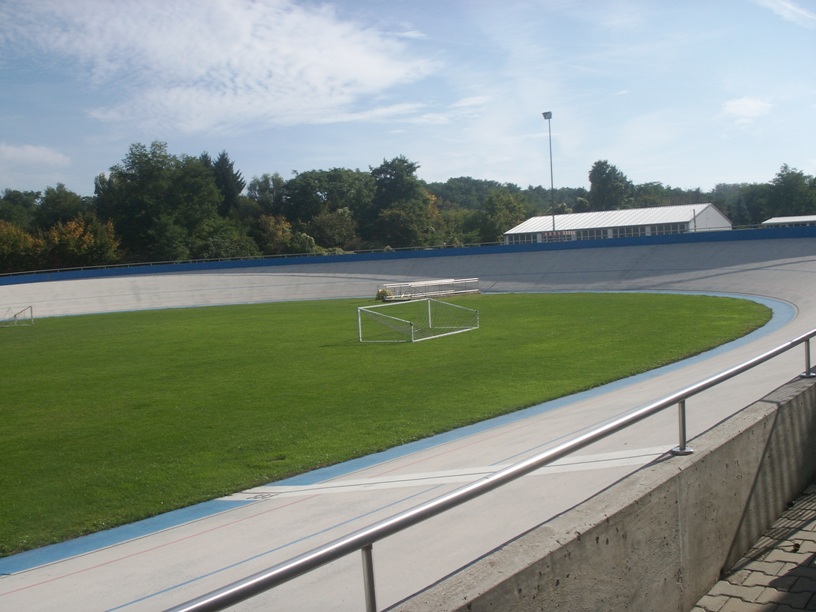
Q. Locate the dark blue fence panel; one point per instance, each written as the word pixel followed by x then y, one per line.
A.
pixel 774 233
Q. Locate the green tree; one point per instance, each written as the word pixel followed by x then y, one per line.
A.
pixel 268 191
pixel 335 229
pixel 314 194
pixel 133 196
pixel 229 182
pixel 156 201
pixel 744 204
pixel 306 196
pixel 460 226
pixel 19 250
pixel 402 211
pixel 648 195
pixel 193 197
pixel 502 211
pixel 791 193
pixel 464 192
pixel 218 238
pixel 409 223
pixel 19 208
pixel 273 234
pixel 59 204
pixel 609 189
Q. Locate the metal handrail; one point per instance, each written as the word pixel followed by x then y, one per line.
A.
pixel 364 539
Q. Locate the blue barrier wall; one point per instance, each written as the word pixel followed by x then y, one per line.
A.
pixel 201 266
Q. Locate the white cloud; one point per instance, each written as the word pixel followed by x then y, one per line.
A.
pixel 791 11
pixel 30 155
pixel 473 101
pixel 745 110
pixel 200 65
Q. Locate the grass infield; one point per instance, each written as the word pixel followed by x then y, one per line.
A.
pixel 107 419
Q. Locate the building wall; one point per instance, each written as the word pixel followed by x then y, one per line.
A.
pixel 710 219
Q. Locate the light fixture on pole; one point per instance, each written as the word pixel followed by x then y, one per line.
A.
pixel 548 116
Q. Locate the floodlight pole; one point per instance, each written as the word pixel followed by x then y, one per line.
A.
pixel 548 117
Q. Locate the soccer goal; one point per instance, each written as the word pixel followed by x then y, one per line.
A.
pixel 13 317
pixel 413 321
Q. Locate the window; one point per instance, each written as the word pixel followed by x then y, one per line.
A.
pixel 629 232
pixel 521 238
pixel 592 234
pixel 669 228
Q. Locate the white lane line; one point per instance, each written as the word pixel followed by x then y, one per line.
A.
pixel 570 464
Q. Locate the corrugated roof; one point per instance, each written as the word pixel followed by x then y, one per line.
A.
pixel 786 220
pixel 611 218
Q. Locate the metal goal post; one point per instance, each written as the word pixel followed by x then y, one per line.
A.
pixel 15 317
pixel 414 320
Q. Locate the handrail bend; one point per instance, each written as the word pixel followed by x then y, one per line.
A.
pixel 363 539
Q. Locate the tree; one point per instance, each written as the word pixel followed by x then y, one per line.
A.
pixel 273 234
pixel 19 250
pixel 335 229
pixel 742 203
pixel 59 204
pixel 229 182
pixel 79 242
pixel 791 193
pixel 192 197
pixel 609 189
pixel 156 201
pixel 133 197
pixel 460 226
pixel 309 195
pixel 219 238
pixel 502 211
pixel 402 212
pixel 306 196
pixel 268 192
pixel 19 207
pixel 408 223
pixel 464 192
pixel 396 181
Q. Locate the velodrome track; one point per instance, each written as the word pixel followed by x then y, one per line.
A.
pixel 168 560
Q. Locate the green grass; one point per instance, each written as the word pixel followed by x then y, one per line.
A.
pixel 108 419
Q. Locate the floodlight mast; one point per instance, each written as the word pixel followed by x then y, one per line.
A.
pixel 548 116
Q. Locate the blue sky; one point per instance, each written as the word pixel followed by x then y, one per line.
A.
pixel 690 93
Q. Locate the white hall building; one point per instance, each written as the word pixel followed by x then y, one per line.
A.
pixel 625 223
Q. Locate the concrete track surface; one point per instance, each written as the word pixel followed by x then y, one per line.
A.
pixel 162 563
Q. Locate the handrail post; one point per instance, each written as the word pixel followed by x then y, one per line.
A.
pixel 682 449
pixel 807 373
pixel 368 578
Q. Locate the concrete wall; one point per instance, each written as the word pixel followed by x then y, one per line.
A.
pixel 659 539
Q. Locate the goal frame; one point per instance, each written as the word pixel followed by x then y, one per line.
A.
pixel 414 332
pixel 17 317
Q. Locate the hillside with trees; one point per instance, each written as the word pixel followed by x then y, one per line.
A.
pixel 157 207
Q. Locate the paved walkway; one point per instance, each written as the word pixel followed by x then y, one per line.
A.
pixel 779 573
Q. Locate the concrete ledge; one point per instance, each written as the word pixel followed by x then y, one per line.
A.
pixel 659 539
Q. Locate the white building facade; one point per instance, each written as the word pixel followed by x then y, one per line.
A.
pixel 604 224
pixel 790 221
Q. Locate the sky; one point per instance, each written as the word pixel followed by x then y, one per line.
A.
pixel 689 94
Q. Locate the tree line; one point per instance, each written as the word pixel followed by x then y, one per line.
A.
pixel 154 206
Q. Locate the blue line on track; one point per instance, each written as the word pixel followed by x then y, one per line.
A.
pixel 276 549
pixel 103 539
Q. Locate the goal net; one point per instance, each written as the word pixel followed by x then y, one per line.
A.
pixel 413 321
pixel 13 317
